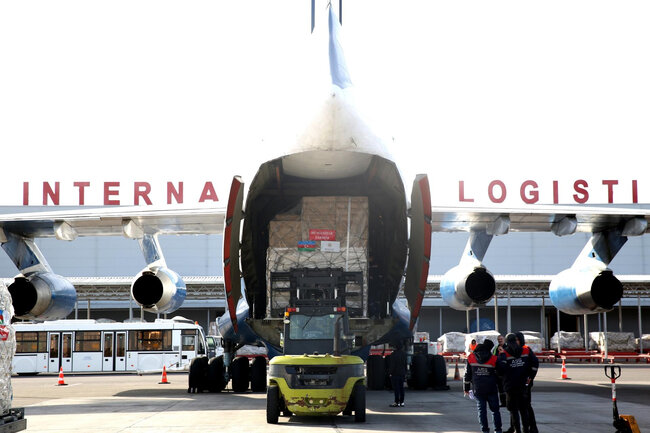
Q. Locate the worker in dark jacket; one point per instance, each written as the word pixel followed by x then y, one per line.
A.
pixel 481 376
pixel 397 371
pixel 515 366
pixel 534 365
pixel 497 350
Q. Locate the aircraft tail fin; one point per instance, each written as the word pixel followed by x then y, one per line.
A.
pixel 338 67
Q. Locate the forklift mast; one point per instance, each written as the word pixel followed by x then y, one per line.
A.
pixel 317 316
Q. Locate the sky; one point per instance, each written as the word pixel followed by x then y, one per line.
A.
pixel 490 94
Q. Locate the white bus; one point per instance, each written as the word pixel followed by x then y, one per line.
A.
pixel 102 346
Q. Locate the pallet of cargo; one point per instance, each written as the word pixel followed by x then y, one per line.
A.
pixel 13 421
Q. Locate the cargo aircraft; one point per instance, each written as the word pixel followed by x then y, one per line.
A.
pixel 337 157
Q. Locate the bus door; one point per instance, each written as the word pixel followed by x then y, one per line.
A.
pixel 108 363
pixel 114 352
pixel 59 351
pixel 188 345
pixel 54 351
pixel 120 351
pixel 66 351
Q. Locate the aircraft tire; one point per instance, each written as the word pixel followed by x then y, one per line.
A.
pixel 240 375
pixel 197 374
pixel 419 372
pixel 258 374
pixel 375 371
pixel 272 404
pixel 438 372
pixel 216 379
pixel 430 370
pixel 359 402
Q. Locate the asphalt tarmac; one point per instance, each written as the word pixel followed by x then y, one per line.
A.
pixel 130 403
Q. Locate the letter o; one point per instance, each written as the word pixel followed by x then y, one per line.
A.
pixel 501 185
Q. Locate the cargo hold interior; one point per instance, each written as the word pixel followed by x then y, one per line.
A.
pixel 272 193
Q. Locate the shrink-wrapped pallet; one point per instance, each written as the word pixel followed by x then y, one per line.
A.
pixel 337 213
pixel 480 338
pixel 534 340
pixel 568 340
pixel 616 341
pixel 7 349
pixel 452 342
pixel 535 344
pixel 320 232
pixel 531 334
pixel 645 339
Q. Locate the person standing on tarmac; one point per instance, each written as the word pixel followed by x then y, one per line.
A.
pixel 397 371
pixel 481 376
pixel 515 367
pixel 497 350
pixel 534 365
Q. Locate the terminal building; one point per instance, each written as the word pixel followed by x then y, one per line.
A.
pixel 102 268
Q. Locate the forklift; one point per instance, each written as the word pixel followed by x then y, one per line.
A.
pixel 317 375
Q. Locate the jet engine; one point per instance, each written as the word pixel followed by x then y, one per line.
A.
pixel 465 287
pixel 42 296
pixel 584 291
pixel 158 290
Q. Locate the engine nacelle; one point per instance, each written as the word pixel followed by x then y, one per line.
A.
pixel 466 287
pixel 42 296
pixel 158 290
pixel 584 291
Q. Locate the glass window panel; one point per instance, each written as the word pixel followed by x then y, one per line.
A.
pixel 87 341
pixel 67 346
pixel 108 345
pixel 150 340
pixel 120 345
pixel 188 342
pixel 54 346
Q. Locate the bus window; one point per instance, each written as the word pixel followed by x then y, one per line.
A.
pixel 108 345
pixel 31 342
pixel 188 342
pixel 202 349
pixel 67 346
pixel 87 341
pixel 120 345
pixel 54 346
pixel 150 340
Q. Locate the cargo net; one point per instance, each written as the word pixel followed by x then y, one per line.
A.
pixel 7 349
pixel 314 234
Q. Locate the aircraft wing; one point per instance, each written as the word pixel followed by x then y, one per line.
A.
pixel 558 219
pixel 115 221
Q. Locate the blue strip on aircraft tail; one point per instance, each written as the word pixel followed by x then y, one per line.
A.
pixel 338 68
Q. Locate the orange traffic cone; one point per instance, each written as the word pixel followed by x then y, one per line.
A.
pixel 456 373
pixel 164 381
pixel 61 381
pixel 564 376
